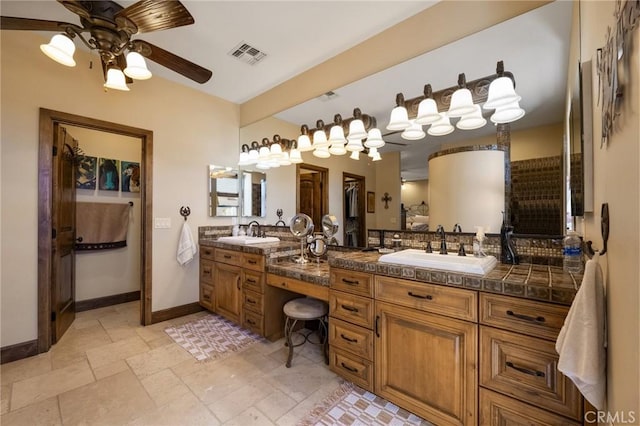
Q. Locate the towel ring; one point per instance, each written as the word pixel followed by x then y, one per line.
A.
pixel 184 212
pixel 604 230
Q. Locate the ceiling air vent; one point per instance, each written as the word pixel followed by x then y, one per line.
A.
pixel 328 96
pixel 247 53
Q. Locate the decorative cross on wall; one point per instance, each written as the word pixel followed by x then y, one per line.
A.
pixel 386 200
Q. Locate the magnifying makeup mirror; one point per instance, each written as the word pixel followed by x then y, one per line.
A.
pixel 301 226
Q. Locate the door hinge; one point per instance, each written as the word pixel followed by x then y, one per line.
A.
pixel 53 233
pixel 55 151
pixel 53 316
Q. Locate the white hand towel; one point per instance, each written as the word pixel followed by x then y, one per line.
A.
pixel 582 339
pixel 187 248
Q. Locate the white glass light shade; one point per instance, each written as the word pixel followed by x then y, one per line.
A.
pixel 337 149
pixel 356 130
pixel 264 165
pixel 336 135
pixel 304 143
pixel 244 159
pixel 116 80
pixel 472 121
pixel 376 157
pixel 295 156
pixel 320 139
pixel 501 92
pixel 264 153
pixel 322 152
pixel 507 113
pixel 355 155
pixel 354 145
pixel 284 160
pixel 137 67
pixel 461 103
pixel 399 119
pixel 441 127
pixel 427 112
pixel 253 156
pixel 374 139
pixel 60 49
pixel 275 151
pixel 372 152
pixel 413 133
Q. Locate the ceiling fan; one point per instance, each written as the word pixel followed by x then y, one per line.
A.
pixel 108 28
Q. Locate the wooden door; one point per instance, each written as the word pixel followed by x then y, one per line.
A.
pixel 310 196
pixel 228 296
pixel 63 233
pixel 426 364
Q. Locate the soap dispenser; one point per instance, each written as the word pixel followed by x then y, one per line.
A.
pixel 508 249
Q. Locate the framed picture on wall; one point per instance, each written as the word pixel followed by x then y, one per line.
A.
pixel 130 176
pixel 86 172
pixel 108 175
pixel 371 202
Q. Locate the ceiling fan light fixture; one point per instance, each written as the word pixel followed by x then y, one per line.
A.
pixel 441 127
pixel 472 121
pixel 137 67
pixel 60 49
pixel 507 113
pixel 461 103
pixel 501 93
pixel 116 80
pixel 374 139
pixel 427 112
pixel 413 132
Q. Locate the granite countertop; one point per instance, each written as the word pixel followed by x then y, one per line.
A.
pixel 268 249
pixel 313 271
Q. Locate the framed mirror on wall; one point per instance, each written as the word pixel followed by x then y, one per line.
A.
pixel 224 191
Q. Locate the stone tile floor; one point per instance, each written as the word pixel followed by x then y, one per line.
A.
pixel 109 370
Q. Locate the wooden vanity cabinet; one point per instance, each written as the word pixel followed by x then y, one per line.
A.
pixel 425 361
pixel 207 291
pixel 228 291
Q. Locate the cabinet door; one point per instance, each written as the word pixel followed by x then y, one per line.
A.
pixel 426 364
pixel 228 296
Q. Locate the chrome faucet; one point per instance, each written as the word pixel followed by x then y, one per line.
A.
pixel 251 233
pixel 457 228
pixel 443 239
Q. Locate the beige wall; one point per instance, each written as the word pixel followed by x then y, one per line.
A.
pixel 415 192
pixel 191 130
pixel 617 181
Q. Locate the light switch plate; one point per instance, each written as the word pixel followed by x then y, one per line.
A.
pixel 162 222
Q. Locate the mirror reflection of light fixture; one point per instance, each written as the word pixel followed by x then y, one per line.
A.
pixel 461 100
pixel 60 49
pixel 413 132
pixel 507 113
pixel 322 152
pixel 472 121
pixel 116 80
pixel 374 139
pixel 356 126
pixel 501 92
pixel 355 155
pixel 336 137
pixel 304 142
pixel 294 155
pixel 319 136
pixel 136 67
pixel 441 127
pixel 399 119
pixel 427 108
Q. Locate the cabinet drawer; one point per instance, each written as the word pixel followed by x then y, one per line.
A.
pixel 230 257
pixel 206 252
pixel 353 368
pixel 453 302
pixel 524 316
pixel 206 296
pixel 312 290
pixel 351 308
pixel 253 301
pixel 500 410
pixel 352 282
pixel 253 261
pixel 206 271
pixel 353 338
pixel 253 281
pixel 253 321
pixel 526 368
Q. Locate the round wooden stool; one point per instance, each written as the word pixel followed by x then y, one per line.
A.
pixel 306 309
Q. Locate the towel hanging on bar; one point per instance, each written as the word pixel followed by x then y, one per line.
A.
pixel 101 226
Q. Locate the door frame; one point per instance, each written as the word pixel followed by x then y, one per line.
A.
pixel 362 224
pixel 324 185
pixel 45 164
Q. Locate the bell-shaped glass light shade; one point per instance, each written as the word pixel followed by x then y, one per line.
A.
pixel 399 119
pixel 337 149
pixel 320 139
pixel 507 113
pixel 322 152
pixel 275 151
pixel 461 103
pixel 336 135
pixel 60 49
pixel 304 143
pixel 284 160
pixel 136 67
pixel 244 159
pixel 116 80
pixel 356 130
pixel 501 92
pixel 263 164
pixel 264 153
pixel 372 152
pixel 441 127
pixel 253 156
pixel 413 133
pixel 354 145
pixel 472 121
pixel 355 155
pixel 376 157
pixel 374 139
pixel 294 156
pixel 427 112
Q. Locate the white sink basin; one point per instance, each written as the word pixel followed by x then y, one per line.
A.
pixel 243 240
pixel 450 262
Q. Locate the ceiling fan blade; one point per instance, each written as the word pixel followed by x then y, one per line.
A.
pixel 10 23
pixel 397 143
pixel 171 61
pixel 155 15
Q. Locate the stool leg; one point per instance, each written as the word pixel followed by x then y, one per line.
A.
pixel 325 340
pixel 289 341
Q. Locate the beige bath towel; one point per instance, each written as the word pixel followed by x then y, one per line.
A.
pixel 101 225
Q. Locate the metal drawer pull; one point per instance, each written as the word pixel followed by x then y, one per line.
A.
pixel 349 339
pixel 253 262
pixel 377 325
pixel 249 280
pixel 207 252
pixel 350 282
pixel 227 256
pixel 525 370
pixel 428 296
pixel 252 322
pixel 346 367
pixel 251 301
pixel 349 308
pixel 525 317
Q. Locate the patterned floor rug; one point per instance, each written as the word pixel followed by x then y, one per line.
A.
pixel 211 337
pixel 352 405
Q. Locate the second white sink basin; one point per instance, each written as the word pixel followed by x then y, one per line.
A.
pixel 243 240
pixel 449 262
